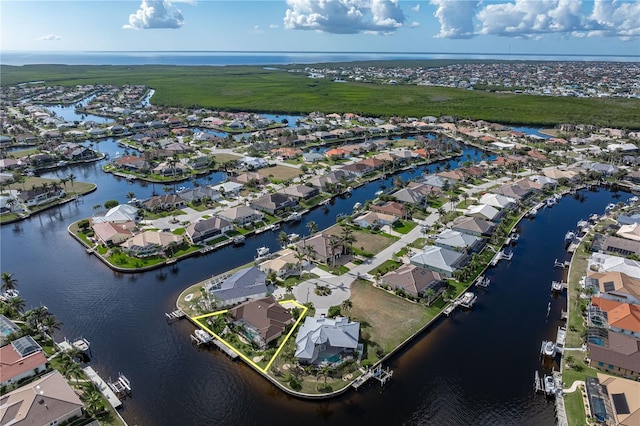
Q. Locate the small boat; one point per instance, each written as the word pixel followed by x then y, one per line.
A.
pixel 379 193
pixel 548 348
pixel 11 293
pixel 294 217
pixel 357 206
pixel 551 201
pixel 238 239
pixel 569 236
pixel 202 336
pixel 274 226
pixel 550 385
pixel 610 206
pixel 468 299
pixel 263 251
pixel 533 212
pixel 81 344
pixel 556 286
pixel 633 199
pixel 515 237
pixel 293 237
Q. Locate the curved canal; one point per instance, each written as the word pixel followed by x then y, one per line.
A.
pixel 473 368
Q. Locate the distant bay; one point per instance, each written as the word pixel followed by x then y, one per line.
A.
pixel 220 58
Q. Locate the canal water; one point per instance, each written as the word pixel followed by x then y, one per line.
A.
pixel 474 368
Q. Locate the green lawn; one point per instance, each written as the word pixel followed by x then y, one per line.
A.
pixel 252 88
pixel 407 225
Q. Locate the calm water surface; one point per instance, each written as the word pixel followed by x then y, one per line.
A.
pixel 473 368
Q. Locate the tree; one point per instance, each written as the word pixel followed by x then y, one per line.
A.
pixel 347 305
pixel 334 243
pixel 109 204
pixel 283 239
pixel 93 402
pixel 130 196
pixel 9 282
pixel 71 178
pixel 312 226
pixel 72 370
pixel 347 237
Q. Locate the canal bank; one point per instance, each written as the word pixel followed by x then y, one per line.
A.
pixel 473 368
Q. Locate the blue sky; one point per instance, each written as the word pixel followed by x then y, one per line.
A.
pixel 609 27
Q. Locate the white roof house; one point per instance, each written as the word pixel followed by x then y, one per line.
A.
pixel 497 200
pixel 322 338
pixel 119 213
pixel 483 211
pixel 441 260
pixel 600 262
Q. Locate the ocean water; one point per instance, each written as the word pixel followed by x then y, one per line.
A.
pixel 219 58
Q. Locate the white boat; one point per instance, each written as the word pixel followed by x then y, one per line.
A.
pixel 11 293
pixel 274 226
pixel 81 344
pixel 295 216
pixel 357 206
pixel 515 237
pixel 549 385
pixel 633 199
pixel 468 299
pixel 293 237
pixel 202 336
pixel 548 348
pixel 551 201
pixel 556 286
pixel 533 212
pixel 263 251
pixel 569 236
pixel 379 193
pixel 610 206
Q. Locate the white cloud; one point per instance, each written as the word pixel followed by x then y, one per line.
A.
pixel 536 18
pixel 50 37
pixel 345 16
pixel 414 24
pixel 455 17
pixel 416 8
pixel 530 18
pixel 616 19
pixel 156 14
pixel 274 25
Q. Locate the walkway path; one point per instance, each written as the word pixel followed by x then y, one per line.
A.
pixel 573 387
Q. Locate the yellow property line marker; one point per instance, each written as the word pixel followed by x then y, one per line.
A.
pixel 243 356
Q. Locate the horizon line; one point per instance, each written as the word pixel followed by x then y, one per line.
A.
pixel 324 52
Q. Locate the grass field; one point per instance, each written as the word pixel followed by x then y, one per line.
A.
pixel 279 173
pixel 250 88
pixel 380 312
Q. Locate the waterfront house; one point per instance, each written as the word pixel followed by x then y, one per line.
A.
pixel 601 262
pixel 262 320
pixel 497 200
pixel 168 168
pixel 473 226
pixel 610 244
pixel 300 192
pixel 624 219
pixel 323 340
pixel 413 281
pixel 273 204
pixel 618 354
pixel 393 208
pixel 621 405
pixel 40 195
pixel 285 264
pixel 132 163
pixel 198 162
pixel 113 233
pixel 375 219
pixel 326 181
pixel 358 169
pixel 459 241
pixel 151 243
pixel 249 179
pixel 122 213
pixel 241 215
pixel 409 196
pixel 164 202
pixel 21 359
pixel 484 211
pixel 545 181
pixel 6 328
pixel 620 317
pixel 199 194
pixel 436 181
pixel 320 247
pixel 47 401
pixel 245 284
pixel 630 232
pixel 206 229
pixel 441 260
pixel 614 286
pixel 228 188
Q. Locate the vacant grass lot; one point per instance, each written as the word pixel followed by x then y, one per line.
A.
pixel 250 88
pixel 380 313
pixel 279 172
pixel 366 241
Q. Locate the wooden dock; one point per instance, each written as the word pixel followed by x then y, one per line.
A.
pixel 175 315
pixel 383 376
pixel 224 348
pixel 102 386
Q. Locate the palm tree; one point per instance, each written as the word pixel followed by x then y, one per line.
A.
pixel 71 178
pixel 14 307
pixel 51 324
pixel 8 282
pixel 347 238
pixel 347 305
pixel 312 226
pixel 130 196
pixel 334 243
pixel 299 258
pixel 72 370
pixel 283 239
pixel 93 402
